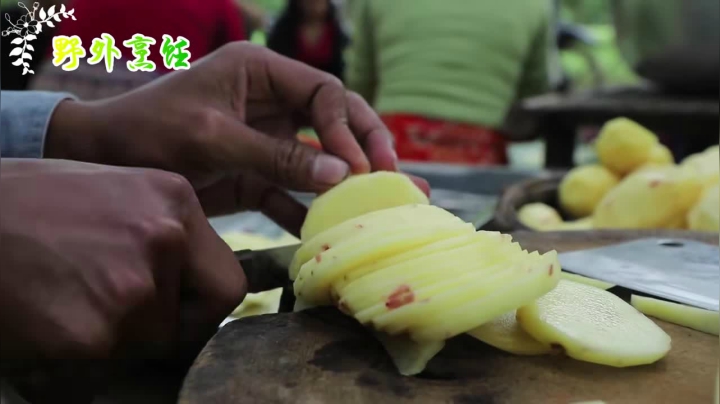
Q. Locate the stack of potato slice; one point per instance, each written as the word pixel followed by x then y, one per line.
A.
pixel 419 275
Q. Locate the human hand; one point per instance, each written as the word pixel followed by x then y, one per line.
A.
pixel 229 125
pixel 98 259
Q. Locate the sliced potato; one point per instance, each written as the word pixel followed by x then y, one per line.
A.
pixel 242 241
pixel 505 333
pixel 375 288
pixel 624 145
pixel 316 276
pixel 587 281
pixel 411 255
pixel 717 387
pixel 473 301
pixel 256 304
pixel 375 222
pixel 539 216
pixel 692 317
pixel 583 188
pixel 358 195
pixel 593 325
pixel 409 357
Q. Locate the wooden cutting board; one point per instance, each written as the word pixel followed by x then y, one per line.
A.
pixel 322 356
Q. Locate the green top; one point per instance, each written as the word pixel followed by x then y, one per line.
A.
pixel 457 60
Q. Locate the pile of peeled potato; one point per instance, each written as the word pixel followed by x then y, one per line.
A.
pixel 637 185
pixel 417 276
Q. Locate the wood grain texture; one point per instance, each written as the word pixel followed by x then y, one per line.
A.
pixel 322 356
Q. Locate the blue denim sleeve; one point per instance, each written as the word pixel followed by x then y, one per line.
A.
pixel 24 120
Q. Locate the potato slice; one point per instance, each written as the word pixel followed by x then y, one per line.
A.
pixel 387 304
pixel 593 325
pixel 587 281
pixel 430 249
pixel 717 387
pixel 480 302
pixel 583 188
pixel 375 288
pixel 505 333
pixel 624 145
pixel 241 241
pixel 539 216
pixel 410 357
pixel 692 317
pixel 358 195
pixel 657 197
pixel 378 221
pixel 316 276
pixel 256 304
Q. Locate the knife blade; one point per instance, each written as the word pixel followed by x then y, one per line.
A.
pixel 679 270
pixel 268 269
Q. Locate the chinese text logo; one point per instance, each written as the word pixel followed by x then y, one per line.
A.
pixel 67 52
pixel 28 26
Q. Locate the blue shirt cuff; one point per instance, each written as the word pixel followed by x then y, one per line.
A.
pixel 24 120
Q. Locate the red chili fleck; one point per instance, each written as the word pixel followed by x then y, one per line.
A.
pixel 551 269
pixel 325 247
pixel 655 183
pixel 400 297
pixel 359 226
pixel 318 258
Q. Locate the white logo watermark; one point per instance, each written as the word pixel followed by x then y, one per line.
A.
pixel 28 27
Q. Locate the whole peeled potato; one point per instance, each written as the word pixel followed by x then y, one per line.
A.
pixel 661 156
pixel 652 198
pixel 706 165
pixel 705 215
pixel 539 216
pixel 624 145
pixel 583 188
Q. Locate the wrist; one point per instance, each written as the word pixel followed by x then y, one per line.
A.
pixel 73 132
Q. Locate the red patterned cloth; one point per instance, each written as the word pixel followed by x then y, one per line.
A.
pixel 430 140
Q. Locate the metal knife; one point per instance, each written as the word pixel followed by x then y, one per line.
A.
pixel 684 271
pixel 268 269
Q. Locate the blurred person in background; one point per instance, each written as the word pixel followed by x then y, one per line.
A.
pixel 443 75
pixel 206 24
pixel 310 31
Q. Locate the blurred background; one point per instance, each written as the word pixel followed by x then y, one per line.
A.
pixel 479 95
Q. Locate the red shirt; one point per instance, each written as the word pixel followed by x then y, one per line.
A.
pixel 318 54
pixel 206 24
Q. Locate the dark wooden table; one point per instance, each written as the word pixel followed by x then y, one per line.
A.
pixel 691 122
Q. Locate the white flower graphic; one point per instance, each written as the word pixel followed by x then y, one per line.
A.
pixel 28 26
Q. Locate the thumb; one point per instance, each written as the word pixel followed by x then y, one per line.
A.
pixel 285 162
